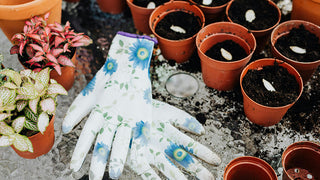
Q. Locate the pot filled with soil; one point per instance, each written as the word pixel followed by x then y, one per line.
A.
pixel 248 167
pixel 224 49
pixel 112 6
pixel 269 88
pixel 297 42
pixel 301 160
pixel 307 10
pixel 213 10
pixel 260 17
pixel 176 24
pixel 141 11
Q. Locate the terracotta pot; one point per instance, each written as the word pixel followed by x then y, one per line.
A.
pixel 265 115
pixel 300 159
pixel 112 6
pixel 178 50
pixel 306 69
pixel 307 10
pixel 41 143
pixel 262 36
pixel 218 74
pixel 248 167
pixel 72 1
pixel 14 13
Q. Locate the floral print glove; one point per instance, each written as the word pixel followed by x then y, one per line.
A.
pixel 118 97
pixel 165 144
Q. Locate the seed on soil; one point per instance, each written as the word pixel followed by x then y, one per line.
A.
pixel 298 49
pixel 206 2
pixel 250 15
pixel 296 170
pixel 177 29
pixel 225 54
pixel 151 5
pixel 269 87
pixel 309 176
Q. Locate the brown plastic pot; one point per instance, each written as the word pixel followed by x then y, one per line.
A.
pixel 14 13
pixel 248 167
pixel 218 74
pixel 300 159
pixel 178 50
pixel 262 36
pixel 306 69
pixel 258 113
pixel 308 10
pixel 112 6
pixel 41 143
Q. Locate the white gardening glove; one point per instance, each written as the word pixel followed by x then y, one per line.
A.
pixel 165 143
pixel 118 97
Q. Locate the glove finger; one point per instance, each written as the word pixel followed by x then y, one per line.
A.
pixel 166 113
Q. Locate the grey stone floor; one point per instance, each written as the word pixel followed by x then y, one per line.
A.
pixel 228 132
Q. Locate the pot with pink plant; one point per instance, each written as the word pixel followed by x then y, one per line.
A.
pixel 43 45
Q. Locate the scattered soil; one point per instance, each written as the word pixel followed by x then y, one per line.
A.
pixel 232 47
pixel 213 3
pixel 300 174
pixel 189 22
pixel 266 14
pixel 144 3
pixel 302 38
pixel 285 84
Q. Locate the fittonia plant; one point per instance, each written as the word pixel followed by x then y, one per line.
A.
pixel 27 102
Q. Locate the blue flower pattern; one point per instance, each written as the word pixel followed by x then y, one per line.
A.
pixel 192 124
pixel 140 54
pixel 89 88
pixel 142 132
pixel 114 174
pixel 147 96
pixel 178 154
pixel 110 66
pixel 101 151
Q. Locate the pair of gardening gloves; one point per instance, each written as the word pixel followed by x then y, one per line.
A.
pixel 127 124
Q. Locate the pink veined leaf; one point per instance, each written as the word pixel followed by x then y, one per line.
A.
pixel 77 44
pixel 58 40
pixel 46 16
pixel 37 69
pixel 57 68
pixel 36 59
pixel 76 38
pixel 28 23
pixel 59 27
pixel 65 47
pixel 64 60
pixel 17 36
pixel 25 28
pixel 52 58
pixel 46 47
pixel 23 43
pixel 14 49
pixel 34 36
pixel 30 51
pixel 47 30
pixel 36 47
pixel 56 52
pixel 39 53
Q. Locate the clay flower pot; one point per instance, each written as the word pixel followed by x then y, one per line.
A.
pixel 301 160
pixel 178 50
pixel 261 35
pixel 112 6
pixel 217 74
pixel 41 143
pixel 307 10
pixel 261 114
pixel 13 14
pixel 248 167
pixel 306 69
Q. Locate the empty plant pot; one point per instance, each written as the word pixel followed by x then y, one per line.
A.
pixel 300 60
pixel 301 160
pixel 265 105
pixel 249 168
pixel 14 13
pixel 112 6
pixel 307 10
pixel 217 74
pixel 180 49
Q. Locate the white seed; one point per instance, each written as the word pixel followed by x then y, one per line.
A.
pixel 268 85
pixel 309 176
pixel 206 2
pixel 225 54
pixel 250 15
pixel 177 29
pixel 151 5
pixel 298 49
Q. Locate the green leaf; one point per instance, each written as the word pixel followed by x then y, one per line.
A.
pixel 13 75
pixel 162 125
pixel 18 123
pixel 160 139
pixel 133 71
pixel 4 116
pixel 105 115
pixel 121 85
pixel 151 150
pixel 21 104
pixel 119 51
pixel 43 122
pixel 30 125
pixel 5 129
pixel 126 86
pixel 48 105
pixel 160 129
pixel 120 118
pixel 56 89
pixel 121 43
pixel 190 144
pixel 101 130
pixel 158 153
pixel 147 174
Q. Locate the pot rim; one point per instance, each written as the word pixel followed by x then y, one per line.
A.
pixel 210 7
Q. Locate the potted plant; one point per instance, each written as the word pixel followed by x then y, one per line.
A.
pixel 13 14
pixel 297 43
pixel 112 6
pixel 41 45
pixel 27 105
pixel 269 88
pixel 307 10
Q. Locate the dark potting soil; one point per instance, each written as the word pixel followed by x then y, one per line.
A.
pixel 302 38
pixel 285 84
pixel 144 3
pixel 232 47
pixel 266 14
pixel 189 22
pixel 213 3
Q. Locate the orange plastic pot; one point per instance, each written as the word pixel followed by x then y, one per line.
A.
pixel 306 69
pixel 14 13
pixel 248 167
pixel 41 143
pixel 308 10
pixel 112 6
pixel 178 50
pixel 258 113
pixel 218 74
pixel 301 160
pixel 262 36
pixel 73 1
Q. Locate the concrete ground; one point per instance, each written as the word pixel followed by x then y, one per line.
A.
pixel 228 132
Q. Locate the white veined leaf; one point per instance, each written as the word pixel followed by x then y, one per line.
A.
pixel 44 76
pixel 250 15
pixel 28 90
pixel 29 143
pixel 7 96
pixel 26 72
pixel 225 54
pixel 56 89
pixel 18 123
pixel 206 2
pixel 30 125
pixel 151 5
pixel 29 114
pixel 13 75
pixel 20 143
pixel 6 141
pixel 20 97
pixel 177 29
pixel 48 105
pixel 268 85
pixel 53 81
pixel 298 49
pixel 33 105
pixel 9 85
pixel 21 104
pixel 4 116
pixel 5 129
pixel 43 122
pixel 40 87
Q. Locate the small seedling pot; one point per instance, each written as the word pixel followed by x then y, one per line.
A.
pixel 301 160
pixel 112 6
pixel 178 50
pixel 258 113
pixel 248 167
pixel 217 74
pixel 306 69
pixel 307 10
